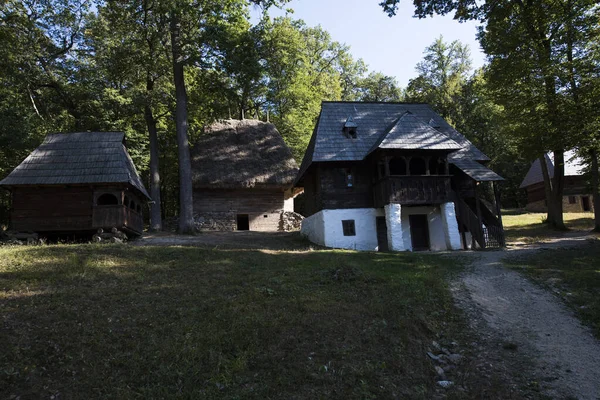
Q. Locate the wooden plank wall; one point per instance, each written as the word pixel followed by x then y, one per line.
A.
pixel 51 209
pixel 335 193
pixel 255 203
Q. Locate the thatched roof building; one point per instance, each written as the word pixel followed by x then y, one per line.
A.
pixel 77 181
pixel 236 154
pixel 243 174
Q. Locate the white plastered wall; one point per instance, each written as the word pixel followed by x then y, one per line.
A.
pixel 453 239
pixel 325 228
pixel 395 229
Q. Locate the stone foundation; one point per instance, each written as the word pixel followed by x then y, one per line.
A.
pixel 540 206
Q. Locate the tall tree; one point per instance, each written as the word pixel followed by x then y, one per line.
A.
pixel 529 58
pixel 378 87
pixel 442 74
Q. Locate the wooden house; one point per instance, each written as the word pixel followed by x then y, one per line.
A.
pixel 77 183
pixel 243 173
pixel 577 195
pixel 394 176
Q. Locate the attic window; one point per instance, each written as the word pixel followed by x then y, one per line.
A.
pixel 350 128
pixel 349 178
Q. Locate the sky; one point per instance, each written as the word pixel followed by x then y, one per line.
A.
pixel 392 46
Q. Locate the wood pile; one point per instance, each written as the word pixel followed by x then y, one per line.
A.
pixel 20 238
pixel 114 236
pixel 291 221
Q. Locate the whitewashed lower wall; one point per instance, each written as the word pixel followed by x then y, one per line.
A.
pixel 437 237
pixel 313 228
pixel 453 239
pixel 325 228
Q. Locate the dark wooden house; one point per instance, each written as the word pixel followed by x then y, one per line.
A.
pixel 77 183
pixel 394 176
pixel 243 173
pixel 577 195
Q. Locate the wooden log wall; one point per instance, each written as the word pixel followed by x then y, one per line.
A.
pixel 263 207
pixel 51 209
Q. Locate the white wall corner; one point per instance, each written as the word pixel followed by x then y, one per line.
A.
pixel 453 240
pixel 393 220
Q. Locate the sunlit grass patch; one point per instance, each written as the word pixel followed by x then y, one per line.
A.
pixel 530 227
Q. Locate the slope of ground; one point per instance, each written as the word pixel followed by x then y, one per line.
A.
pixel 525 227
pixel 121 321
pixel 514 315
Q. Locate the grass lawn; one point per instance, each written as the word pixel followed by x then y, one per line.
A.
pixel 119 321
pixel 520 226
pixel 572 273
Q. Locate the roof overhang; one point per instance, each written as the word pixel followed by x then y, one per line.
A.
pixel 476 171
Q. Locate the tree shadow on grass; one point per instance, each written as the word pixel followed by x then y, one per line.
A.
pixel 124 321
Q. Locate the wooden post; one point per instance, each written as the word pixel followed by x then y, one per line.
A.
pixel 407 162
pixel 499 210
pixel 387 165
pixel 427 171
pixel 478 208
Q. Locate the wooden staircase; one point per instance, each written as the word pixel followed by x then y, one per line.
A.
pixel 486 230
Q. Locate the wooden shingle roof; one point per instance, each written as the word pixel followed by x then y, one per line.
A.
pixel 375 122
pixel 410 133
pixel 574 166
pixel 77 158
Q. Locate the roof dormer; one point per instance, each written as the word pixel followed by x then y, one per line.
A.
pixel 350 128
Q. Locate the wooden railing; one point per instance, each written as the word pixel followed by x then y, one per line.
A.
pixel 487 231
pixel 412 190
pixel 469 220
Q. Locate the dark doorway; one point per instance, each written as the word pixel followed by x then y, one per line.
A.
pixel 243 222
pixel 382 241
pixel 585 202
pixel 419 231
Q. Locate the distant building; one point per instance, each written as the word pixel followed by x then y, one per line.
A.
pixel 76 183
pixel 394 176
pixel 242 173
pixel 577 196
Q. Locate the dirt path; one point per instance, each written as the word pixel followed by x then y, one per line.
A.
pixel 512 310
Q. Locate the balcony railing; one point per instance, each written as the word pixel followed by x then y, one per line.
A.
pixel 412 190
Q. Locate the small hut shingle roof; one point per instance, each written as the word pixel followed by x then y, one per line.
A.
pixel 77 158
pixel 375 121
pixel 242 154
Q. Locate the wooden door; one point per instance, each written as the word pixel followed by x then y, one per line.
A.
pixel 419 231
pixel 243 222
pixel 382 240
pixel 585 202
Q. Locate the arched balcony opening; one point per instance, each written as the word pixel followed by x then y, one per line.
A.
pixel 398 166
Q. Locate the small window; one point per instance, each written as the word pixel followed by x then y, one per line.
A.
pixel 349 178
pixel 265 216
pixel 572 200
pixel 107 199
pixel 352 133
pixel 348 226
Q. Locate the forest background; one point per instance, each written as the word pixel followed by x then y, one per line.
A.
pixel 162 70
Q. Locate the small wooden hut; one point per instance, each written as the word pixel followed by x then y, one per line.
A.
pixel 243 174
pixel 77 183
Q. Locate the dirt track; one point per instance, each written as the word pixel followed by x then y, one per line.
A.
pixel 507 308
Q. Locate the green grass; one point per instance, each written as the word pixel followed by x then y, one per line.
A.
pixel 572 273
pixel 530 227
pixel 91 321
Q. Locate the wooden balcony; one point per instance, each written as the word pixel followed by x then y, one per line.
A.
pixel 412 190
pixel 117 216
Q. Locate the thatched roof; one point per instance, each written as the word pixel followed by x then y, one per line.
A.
pixel 242 154
pixel 77 158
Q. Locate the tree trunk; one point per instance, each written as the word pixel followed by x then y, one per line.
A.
pixel 186 209
pixel 155 207
pixel 558 188
pixel 596 190
pixel 547 190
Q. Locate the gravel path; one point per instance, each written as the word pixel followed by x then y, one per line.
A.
pixel 564 354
